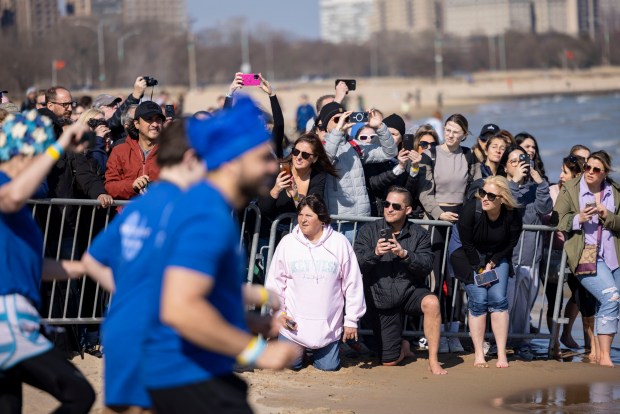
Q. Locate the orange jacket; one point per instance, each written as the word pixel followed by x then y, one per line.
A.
pixel 126 163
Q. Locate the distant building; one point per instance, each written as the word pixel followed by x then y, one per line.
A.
pixel 36 18
pixel 7 14
pixel 409 16
pixel 172 12
pixel 486 17
pixel 345 20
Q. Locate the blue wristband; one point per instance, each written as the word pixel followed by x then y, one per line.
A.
pixel 252 352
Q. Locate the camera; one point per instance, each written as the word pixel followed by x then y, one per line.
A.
pixel 150 81
pixel 358 117
pixel 94 123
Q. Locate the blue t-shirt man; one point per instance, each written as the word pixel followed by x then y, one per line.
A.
pixel 203 237
pixel 305 112
pixel 131 246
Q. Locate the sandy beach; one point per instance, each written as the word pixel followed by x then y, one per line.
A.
pixel 363 387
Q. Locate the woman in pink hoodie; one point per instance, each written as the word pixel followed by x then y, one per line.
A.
pixel 315 272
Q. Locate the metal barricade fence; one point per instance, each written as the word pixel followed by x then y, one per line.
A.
pixel 538 230
pixel 82 301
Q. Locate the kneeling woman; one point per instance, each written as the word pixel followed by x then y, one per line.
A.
pixel 489 228
pixel 315 273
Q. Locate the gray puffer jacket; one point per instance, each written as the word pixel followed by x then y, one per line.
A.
pixel 347 194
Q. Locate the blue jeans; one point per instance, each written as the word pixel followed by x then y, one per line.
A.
pixel 325 359
pixel 490 298
pixel 604 286
pixel 348 229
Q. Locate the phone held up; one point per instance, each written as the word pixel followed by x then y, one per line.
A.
pixel 358 117
pixel 351 84
pixel 285 166
pixel 408 142
pixel 250 79
pixel 170 111
pixel 386 233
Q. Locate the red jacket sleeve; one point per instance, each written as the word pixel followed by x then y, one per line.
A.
pixel 116 185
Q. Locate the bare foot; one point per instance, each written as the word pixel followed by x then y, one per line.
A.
pixel 405 349
pixel 569 341
pixel 605 362
pixel 435 368
pixel 593 358
pixel 502 363
pixel 481 365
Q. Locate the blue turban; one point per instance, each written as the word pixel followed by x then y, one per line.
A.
pixel 25 133
pixel 228 134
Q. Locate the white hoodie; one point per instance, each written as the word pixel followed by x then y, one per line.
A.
pixel 314 281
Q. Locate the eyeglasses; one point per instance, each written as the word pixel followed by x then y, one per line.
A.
pixel 453 131
pixel 367 137
pixel 395 206
pixel 65 104
pixel 426 144
pixel 490 196
pixel 595 170
pixel 305 155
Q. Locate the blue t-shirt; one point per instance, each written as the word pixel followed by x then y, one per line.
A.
pixel 204 237
pixel 131 245
pixel 21 247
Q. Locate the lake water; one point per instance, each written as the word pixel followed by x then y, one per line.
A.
pixel 558 123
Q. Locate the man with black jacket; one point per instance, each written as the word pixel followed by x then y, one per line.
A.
pixel 395 257
pixel 113 110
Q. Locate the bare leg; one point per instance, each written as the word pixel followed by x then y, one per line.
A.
pixel 432 322
pixel 604 343
pixel 571 312
pixel 588 325
pixel 499 324
pixel 477 326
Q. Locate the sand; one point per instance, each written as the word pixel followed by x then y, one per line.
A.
pixel 363 387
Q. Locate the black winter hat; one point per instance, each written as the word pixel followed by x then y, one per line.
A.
pixel 396 122
pixel 327 112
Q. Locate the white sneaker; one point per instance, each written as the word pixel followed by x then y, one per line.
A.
pixel 422 343
pixel 455 345
pixel 444 348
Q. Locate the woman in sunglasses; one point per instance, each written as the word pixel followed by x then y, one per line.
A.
pixel 531 191
pixel 489 227
pixel 588 210
pixel 309 166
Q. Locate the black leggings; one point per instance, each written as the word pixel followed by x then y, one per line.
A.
pixel 51 373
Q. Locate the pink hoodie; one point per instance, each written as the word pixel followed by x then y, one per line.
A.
pixel 314 282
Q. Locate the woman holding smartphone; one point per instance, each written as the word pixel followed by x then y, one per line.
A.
pixel 588 211
pixel 489 227
pixel 316 275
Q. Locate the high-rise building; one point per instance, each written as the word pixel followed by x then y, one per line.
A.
pixel 345 20
pixel 78 7
pixel 36 18
pixel 410 16
pixel 171 12
pixel 7 14
pixel 486 17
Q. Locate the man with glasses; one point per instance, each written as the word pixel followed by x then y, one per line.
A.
pixel 60 102
pixel 395 258
pixel 131 166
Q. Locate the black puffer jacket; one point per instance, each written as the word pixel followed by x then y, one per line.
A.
pixel 387 277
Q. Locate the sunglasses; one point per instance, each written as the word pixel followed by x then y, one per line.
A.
pixel 595 170
pixel 305 155
pixel 395 206
pixel 367 137
pixel 490 196
pixel 426 144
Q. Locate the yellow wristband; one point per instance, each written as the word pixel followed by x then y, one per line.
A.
pixel 264 295
pixel 252 351
pixel 53 152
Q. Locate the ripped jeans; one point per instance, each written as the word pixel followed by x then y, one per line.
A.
pixel 605 287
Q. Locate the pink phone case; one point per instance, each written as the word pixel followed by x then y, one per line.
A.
pixel 250 79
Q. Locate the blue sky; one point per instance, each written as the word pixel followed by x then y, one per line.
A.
pixel 300 17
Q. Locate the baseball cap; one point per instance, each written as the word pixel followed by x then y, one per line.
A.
pixel 105 100
pixel 488 130
pixel 148 109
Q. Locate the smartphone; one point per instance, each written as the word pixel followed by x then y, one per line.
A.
pixel 350 83
pixel 485 277
pixel 292 325
pixel 524 158
pixel 358 117
pixel 170 111
pixel 408 142
pixel 386 233
pixel 89 138
pixel 285 166
pixel 250 79
pixel 590 205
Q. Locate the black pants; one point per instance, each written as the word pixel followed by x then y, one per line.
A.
pixel 227 394
pixel 51 373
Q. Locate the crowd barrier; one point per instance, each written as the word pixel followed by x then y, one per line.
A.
pixel 81 301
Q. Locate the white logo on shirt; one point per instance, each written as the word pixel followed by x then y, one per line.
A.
pixel 133 231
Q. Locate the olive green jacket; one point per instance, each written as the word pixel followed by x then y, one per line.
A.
pixel 567 205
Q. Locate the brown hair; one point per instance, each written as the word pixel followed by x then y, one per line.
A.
pixel 604 159
pixel 401 190
pixel 315 203
pixel 172 144
pixel 322 161
pixel 461 121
